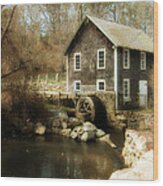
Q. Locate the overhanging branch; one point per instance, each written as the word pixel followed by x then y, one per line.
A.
pixel 21 67
pixel 8 24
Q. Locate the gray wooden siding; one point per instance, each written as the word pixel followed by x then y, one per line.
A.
pixel 88 43
pixel 134 74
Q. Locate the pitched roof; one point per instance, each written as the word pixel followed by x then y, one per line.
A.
pixel 121 35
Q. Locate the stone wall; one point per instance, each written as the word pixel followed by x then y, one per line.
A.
pixel 138 120
pixel 108 99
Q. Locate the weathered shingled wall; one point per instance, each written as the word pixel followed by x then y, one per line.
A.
pixel 89 41
pixel 134 74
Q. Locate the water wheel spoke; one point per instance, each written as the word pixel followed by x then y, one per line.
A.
pixel 88 107
pixel 81 106
pixel 89 112
pixel 85 106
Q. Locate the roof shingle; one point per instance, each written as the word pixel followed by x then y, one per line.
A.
pixel 124 36
pixel 120 35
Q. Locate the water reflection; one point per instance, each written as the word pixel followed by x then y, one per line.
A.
pixel 58 157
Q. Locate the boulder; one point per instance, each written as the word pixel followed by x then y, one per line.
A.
pixel 107 140
pixel 79 130
pixel 40 129
pixel 74 135
pixel 143 169
pixel 56 123
pixel 63 116
pixel 64 124
pixel 73 122
pixel 100 133
pixel 66 132
pixel 88 126
pixel 87 136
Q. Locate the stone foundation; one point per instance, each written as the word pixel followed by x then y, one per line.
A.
pixel 108 99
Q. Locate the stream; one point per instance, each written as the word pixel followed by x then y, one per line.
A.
pixel 57 157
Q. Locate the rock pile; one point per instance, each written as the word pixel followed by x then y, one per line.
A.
pixel 40 129
pixel 77 129
pixel 83 131
pixel 70 127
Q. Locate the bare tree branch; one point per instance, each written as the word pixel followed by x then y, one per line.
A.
pixel 21 67
pixel 8 24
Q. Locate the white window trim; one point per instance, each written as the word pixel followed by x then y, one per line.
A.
pixel 101 50
pixel 116 76
pixel 128 60
pixel 77 81
pixel 75 54
pixel 128 97
pixel 97 84
pixel 141 67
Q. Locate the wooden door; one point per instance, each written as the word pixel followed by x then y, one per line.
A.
pixel 143 93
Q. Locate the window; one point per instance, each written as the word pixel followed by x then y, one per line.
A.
pixel 101 58
pixel 143 61
pixel 100 85
pixel 77 61
pixel 77 85
pixel 126 58
pixel 126 89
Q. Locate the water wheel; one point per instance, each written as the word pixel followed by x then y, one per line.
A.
pixel 92 109
pixel 85 109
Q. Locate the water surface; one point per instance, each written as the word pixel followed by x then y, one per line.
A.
pixel 57 157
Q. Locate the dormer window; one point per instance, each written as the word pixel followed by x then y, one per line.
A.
pixel 77 61
pixel 126 58
pixel 143 61
pixel 101 58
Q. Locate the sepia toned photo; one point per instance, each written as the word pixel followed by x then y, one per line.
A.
pixel 77 90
